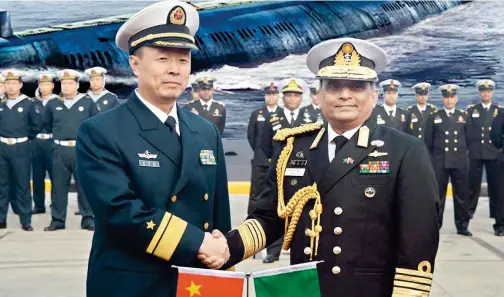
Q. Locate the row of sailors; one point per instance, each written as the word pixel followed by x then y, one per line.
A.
pixel 40 134
pixel 449 134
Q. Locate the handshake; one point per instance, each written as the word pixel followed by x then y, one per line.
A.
pixel 214 251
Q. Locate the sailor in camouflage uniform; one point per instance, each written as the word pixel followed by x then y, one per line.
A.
pixel 42 144
pixel 445 137
pixel 212 110
pixel 370 214
pixel 63 118
pixel 20 122
pixel 312 113
pixel 482 152
pixel 103 98
pixel 389 114
pixel 419 113
pixel 260 163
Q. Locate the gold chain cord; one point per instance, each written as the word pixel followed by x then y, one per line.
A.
pixel 294 208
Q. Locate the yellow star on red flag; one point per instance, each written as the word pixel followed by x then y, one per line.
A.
pixel 193 289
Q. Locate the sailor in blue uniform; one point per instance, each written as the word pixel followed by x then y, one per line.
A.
pixel 63 118
pixel 312 113
pixel 419 113
pixel 154 173
pixel 20 121
pixel 103 98
pixel 389 114
pixel 42 144
pixel 195 89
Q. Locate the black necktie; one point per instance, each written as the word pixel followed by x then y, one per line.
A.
pixel 391 114
pixel 171 124
pixel 292 119
pixel 340 142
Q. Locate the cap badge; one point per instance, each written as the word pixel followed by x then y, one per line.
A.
pixel 347 56
pixel 177 16
pixel 293 84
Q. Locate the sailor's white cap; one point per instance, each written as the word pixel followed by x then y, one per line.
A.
pixel 67 74
pixel 13 74
pixel 95 71
pixel 422 88
pixel 46 77
pixel 293 85
pixel 485 84
pixel 347 58
pixel 448 90
pixel 164 24
pixel 390 85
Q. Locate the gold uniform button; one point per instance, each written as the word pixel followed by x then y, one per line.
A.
pixel 336 250
pixel 455 141
pixel 455 149
pixel 489 141
pixel 338 211
pixel 336 270
pixel 420 129
pixel 174 199
pixel 446 149
pixel 307 250
pixel 446 140
pixel 456 132
pixel 419 136
pixel 482 128
pixel 338 230
pixel 205 226
pixel 482 135
pixel 447 133
pixel 482 141
pixel 205 197
pixel 489 128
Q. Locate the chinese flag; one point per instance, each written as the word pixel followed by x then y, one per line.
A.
pixel 193 282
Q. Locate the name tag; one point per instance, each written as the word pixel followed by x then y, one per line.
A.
pixel 437 121
pixel 261 119
pixel 414 120
pixel 277 127
pixel 475 115
pixel 295 171
pixel 380 122
pixel 144 163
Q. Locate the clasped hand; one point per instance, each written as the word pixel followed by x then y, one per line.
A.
pixel 214 251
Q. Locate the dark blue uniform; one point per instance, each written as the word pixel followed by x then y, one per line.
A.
pixel 41 160
pixel 107 101
pixel 18 125
pixel 153 197
pixel 497 137
pixel 64 124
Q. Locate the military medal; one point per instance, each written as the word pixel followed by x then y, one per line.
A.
pixel 207 157
pixel 370 192
pixel 375 167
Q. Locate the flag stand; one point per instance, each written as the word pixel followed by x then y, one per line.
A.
pixel 247 276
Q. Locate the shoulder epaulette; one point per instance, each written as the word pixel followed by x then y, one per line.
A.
pixel 283 134
pixel 469 106
pixel 433 106
pixel 410 107
pixel 435 111
pixel 463 111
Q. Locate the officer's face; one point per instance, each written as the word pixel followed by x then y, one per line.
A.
pixel 450 102
pixel 486 96
pixel 206 94
pixel 421 99
pixel 2 89
pixel 390 97
pixel 96 83
pixel 292 100
pixel 347 103
pixel 13 88
pixel 46 88
pixel 69 88
pixel 315 99
pixel 163 73
pixel 271 99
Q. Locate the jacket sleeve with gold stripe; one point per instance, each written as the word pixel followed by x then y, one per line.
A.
pixel 135 225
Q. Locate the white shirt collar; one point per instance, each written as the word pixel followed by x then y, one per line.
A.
pixel 161 115
pixel 331 134
pixel 486 105
pixel 12 102
pixel 388 109
pixel 288 112
pixel 448 111
pixel 70 102
pixel 271 109
pixel 315 106
pixel 209 103
pixel 96 97
pixel 420 108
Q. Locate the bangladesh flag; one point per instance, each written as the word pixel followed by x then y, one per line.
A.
pixel 194 282
pixel 292 281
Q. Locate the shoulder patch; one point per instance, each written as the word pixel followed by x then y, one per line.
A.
pixel 283 134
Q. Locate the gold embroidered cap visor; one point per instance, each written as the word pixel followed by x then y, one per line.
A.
pixel 171 24
pixel 348 59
